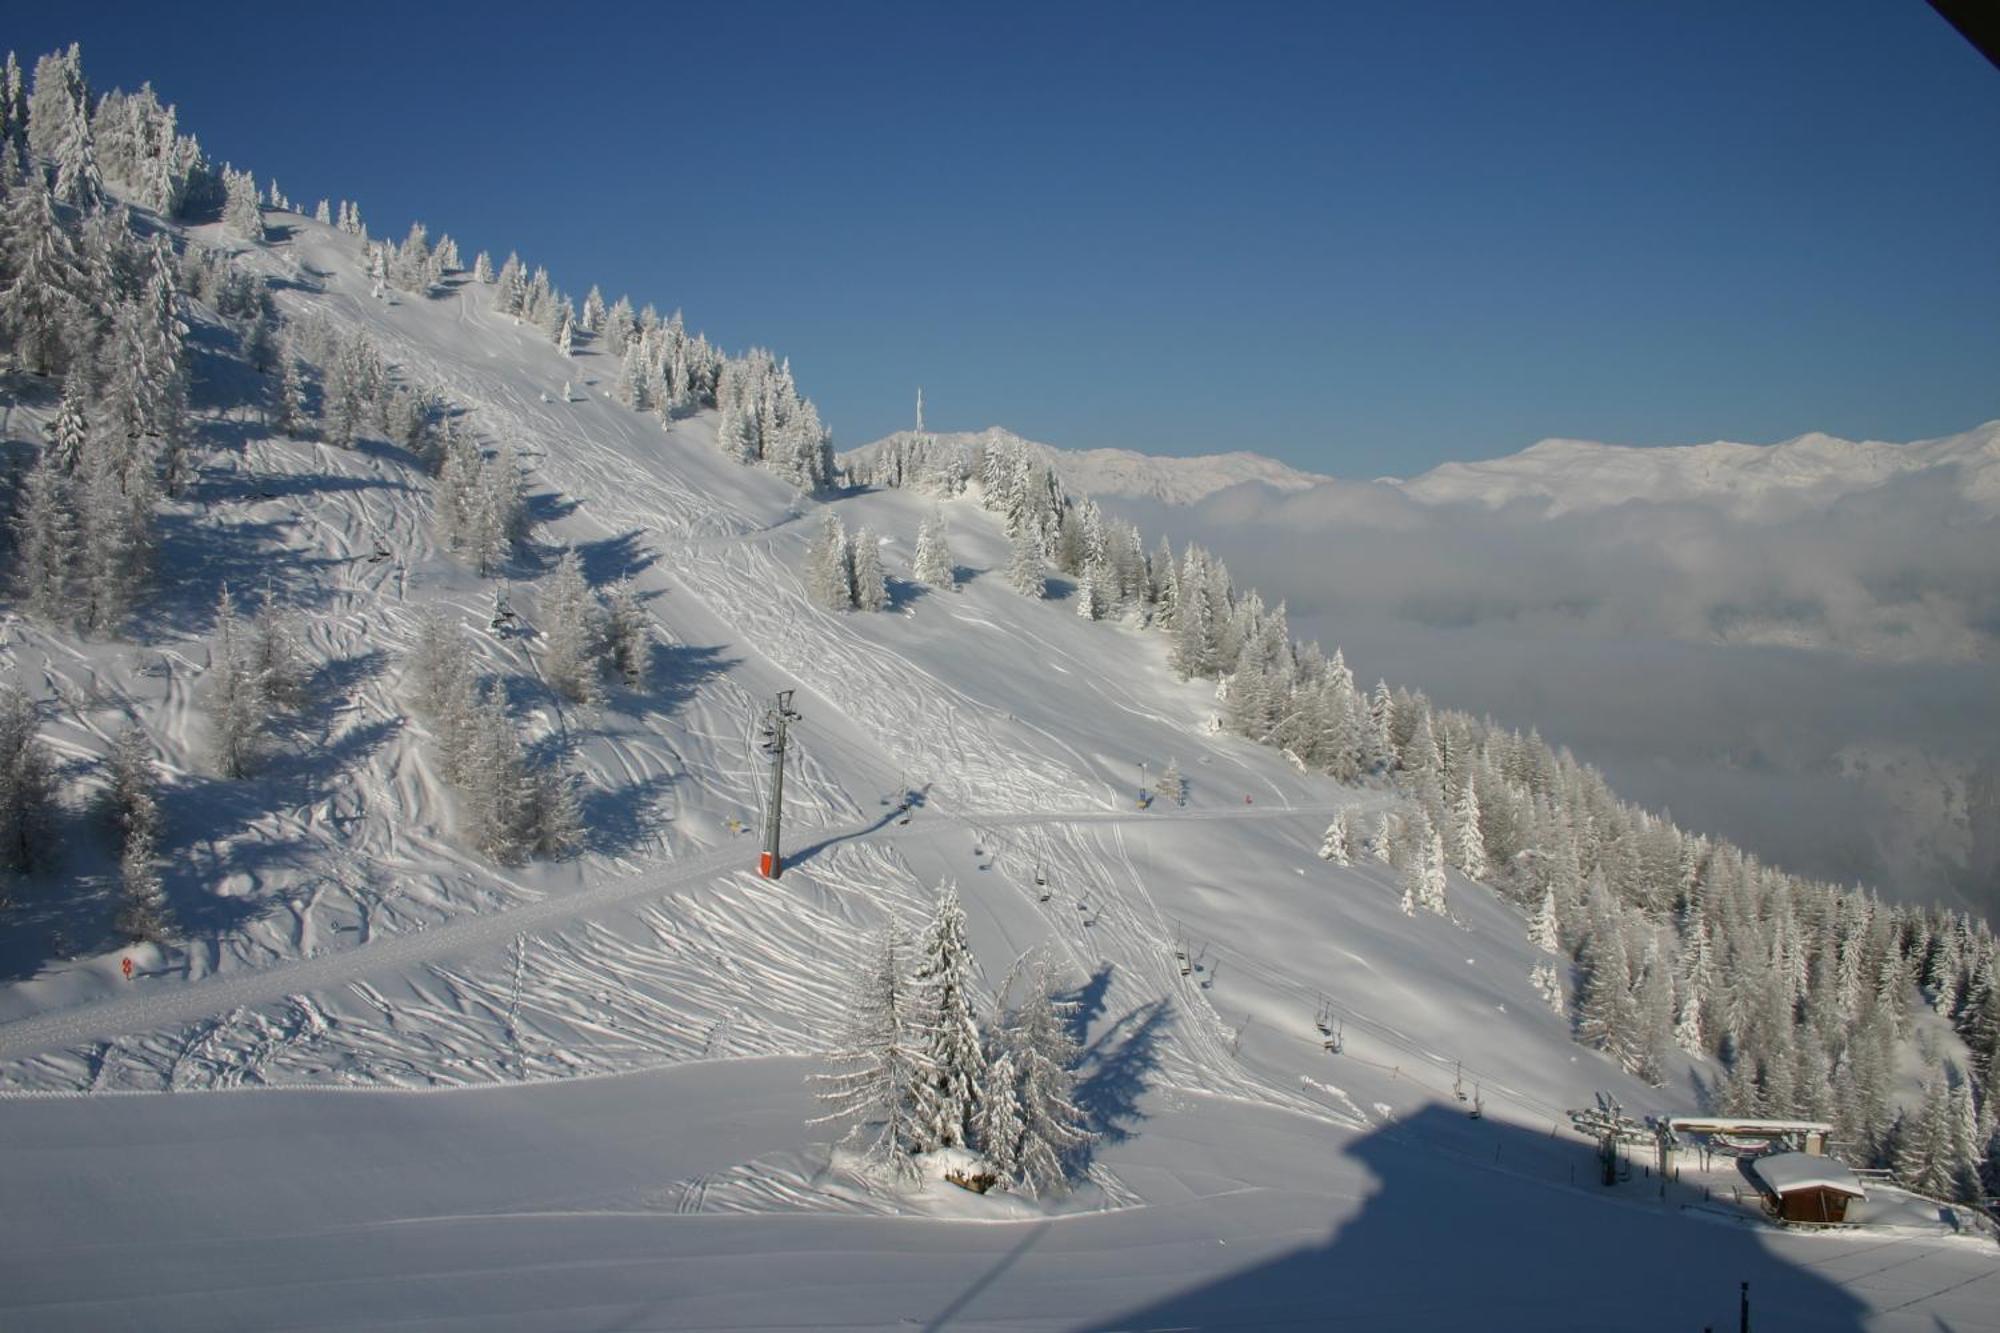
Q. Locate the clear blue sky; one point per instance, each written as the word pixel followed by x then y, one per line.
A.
pixel 1361 238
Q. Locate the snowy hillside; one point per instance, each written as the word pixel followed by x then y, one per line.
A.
pixel 418 1083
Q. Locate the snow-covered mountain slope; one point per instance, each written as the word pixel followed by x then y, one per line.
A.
pixel 1118 472
pixel 1744 480
pixel 342 946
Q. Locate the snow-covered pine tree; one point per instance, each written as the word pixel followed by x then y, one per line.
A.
pixel 117 531
pixel 1421 864
pixel 944 977
pixel 1171 785
pixel 1545 931
pixel 1924 1161
pixel 934 567
pixel 133 800
pixel 46 542
pixel 27 784
pixel 69 432
pixel 47 280
pixel 1548 985
pixel 494 516
pixel 240 213
pixel 59 128
pixel 556 817
pixel 1468 849
pixel 1053 1127
pixel 829 571
pixel 998 1125
pixel 277 661
pixel 572 631
pixel 871 587
pixel 881 1061
pixel 1334 846
pixel 1027 574
pixel 234 711
pixel 290 416
pixel 1697 984
pixel 494 781
pixel 628 635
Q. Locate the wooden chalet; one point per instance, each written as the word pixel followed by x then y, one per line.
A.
pixel 1802 1188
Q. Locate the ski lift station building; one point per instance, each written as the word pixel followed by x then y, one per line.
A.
pixel 1800 1187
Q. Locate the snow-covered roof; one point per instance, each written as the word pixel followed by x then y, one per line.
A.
pixel 1710 1124
pixel 1788 1171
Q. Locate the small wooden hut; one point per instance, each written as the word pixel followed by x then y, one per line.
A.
pixel 1803 1188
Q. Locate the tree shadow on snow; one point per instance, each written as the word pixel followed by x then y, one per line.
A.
pixel 1117 1068
pixel 1474 1223
pixel 244 555
pixel 903 593
pixel 674 676
pixel 622 819
pixel 614 558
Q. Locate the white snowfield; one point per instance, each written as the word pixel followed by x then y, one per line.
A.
pixel 384 1084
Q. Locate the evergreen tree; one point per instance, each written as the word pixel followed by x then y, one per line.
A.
pixel 1697 985
pixel 1468 851
pixel 143 913
pixel 1924 1160
pixel 277 662
pixel 1026 574
pixel 572 632
pixel 240 214
pixel 556 815
pixel 1382 845
pixel 291 418
pixel 1606 1018
pixel 934 567
pixel 871 589
pixel 1422 868
pixel 628 636
pixel 70 431
pixel 46 542
pixel 882 1061
pixel 998 1123
pixel 1545 932
pixel 1334 846
pixel 27 784
pixel 829 572
pixel 947 1102
pixel 235 715
pixel 59 128
pixel 1053 1127
pixel 498 791
pixel 38 304
pixel 117 531
pixel 1171 786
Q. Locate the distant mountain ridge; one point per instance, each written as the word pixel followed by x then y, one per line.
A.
pixel 1572 475
pixel 1126 472
pixel 1562 475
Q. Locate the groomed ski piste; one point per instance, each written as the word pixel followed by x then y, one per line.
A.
pixel 385 1083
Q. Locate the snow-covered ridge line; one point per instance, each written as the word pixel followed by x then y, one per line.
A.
pixel 1567 476
pixel 1125 472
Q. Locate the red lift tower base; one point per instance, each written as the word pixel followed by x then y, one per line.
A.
pixel 767 865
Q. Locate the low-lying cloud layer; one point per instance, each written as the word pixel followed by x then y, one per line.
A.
pixel 1819 681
